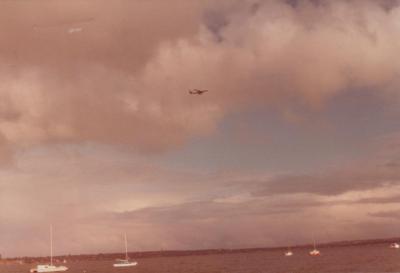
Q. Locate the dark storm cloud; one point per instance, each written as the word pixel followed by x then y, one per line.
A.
pixel 357 178
pixel 393 214
pixel 379 200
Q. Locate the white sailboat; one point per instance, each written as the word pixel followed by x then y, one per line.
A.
pixel 288 253
pixel 315 251
pixel 394 245
pixel 125 262
pixel 49 267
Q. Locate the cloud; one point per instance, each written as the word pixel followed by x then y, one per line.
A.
pixel 331 184
pixel 105 193
pixel 394 214
pixel 334 182
pixel 380 200
pixel 376 170
pixel 119 83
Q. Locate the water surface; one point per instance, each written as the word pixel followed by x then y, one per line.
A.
pixel 368 258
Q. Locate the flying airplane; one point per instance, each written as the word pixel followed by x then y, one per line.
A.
pixel 197 91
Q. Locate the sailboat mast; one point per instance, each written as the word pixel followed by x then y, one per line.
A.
pixel 51 244
pixel 126 248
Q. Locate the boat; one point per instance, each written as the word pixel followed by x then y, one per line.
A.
pixel 288 253
pixel 49 267
pixel 125 262
pixel 394 245
pixel 315 251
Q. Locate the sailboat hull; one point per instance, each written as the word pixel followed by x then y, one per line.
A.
pixel 126 264
pixel 315 253
pixel 48 268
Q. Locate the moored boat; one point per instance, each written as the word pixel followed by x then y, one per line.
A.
pixel 288 253
pixel 394 245
pixel 315 251
pixel 49 267
pixel 125 262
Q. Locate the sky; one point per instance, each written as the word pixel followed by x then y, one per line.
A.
pixel 297 138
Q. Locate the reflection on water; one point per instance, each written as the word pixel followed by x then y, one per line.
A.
pixel 371 258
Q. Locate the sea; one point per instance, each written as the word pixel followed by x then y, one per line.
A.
pixel 362 258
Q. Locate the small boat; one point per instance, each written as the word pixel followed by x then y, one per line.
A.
pixel 49 267
pixel 315 251
pixel 288 253
pixel 394 245
pixel 125 262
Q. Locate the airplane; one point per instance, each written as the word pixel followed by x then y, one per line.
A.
pixel 197 91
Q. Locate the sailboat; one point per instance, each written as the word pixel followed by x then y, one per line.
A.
pixel 288 253
pixel 49 267
pixel 125 262
pixel 394 245
pixel 315 251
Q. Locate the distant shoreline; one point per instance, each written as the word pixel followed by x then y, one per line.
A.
pixel 173 253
